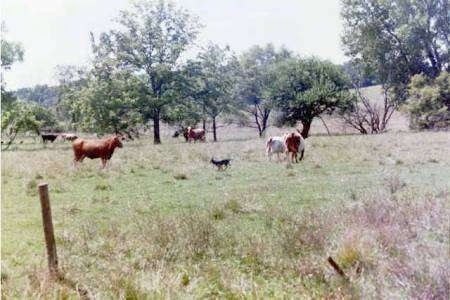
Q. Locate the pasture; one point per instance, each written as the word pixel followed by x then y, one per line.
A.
pixel 161 222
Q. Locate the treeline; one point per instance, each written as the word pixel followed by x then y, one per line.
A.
pixel 138 75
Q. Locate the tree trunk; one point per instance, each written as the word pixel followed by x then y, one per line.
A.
pixel 214 129
pixel 156 136
pixel 306 128
pixel 258 126
pixel 265 119
pixel 204 125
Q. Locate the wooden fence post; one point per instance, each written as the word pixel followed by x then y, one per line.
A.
pixel 336 267
pixel 48 229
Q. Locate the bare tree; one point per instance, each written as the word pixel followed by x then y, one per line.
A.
pixel 369 115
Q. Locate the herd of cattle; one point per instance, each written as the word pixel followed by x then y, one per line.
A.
pixel 51 137
pixel 290 144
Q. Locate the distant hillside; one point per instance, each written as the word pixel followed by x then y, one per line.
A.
pixel 42 94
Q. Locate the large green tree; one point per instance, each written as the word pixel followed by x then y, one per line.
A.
pixel 72 90
pixel 102 100
pixel 214 76
pixel 149 41
pixel 256 80
pixel 307 88
pixel 398 38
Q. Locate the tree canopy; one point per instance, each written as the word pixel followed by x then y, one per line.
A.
pixel 257 77
pixel 306 88
pixel 398 39
pixel 214 75
pixel 149 42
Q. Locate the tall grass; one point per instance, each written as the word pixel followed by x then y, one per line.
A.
pixel 160 222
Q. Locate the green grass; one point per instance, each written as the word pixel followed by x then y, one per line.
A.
pixel 160 221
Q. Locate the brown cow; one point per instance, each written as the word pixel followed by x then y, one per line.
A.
pixel 294 143
pixel 102 148
pixel 197 134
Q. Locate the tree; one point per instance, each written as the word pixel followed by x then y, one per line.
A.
pixel 72 87
pixel 360 74
pixel 429 101
pixel 23 117
pixel 103 100
pixel 11 52
pixel 214 77
pixel 42 94
pixel 306 88
pixel 398 38
pixel 256 80
pixel 368 114
pixel 150 41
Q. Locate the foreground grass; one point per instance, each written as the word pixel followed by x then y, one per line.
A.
pixel 161 222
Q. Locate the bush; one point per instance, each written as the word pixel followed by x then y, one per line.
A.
pixel 429 102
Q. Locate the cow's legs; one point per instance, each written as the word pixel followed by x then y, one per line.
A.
pixel 78 159
pixel 104 160
pixel 301 154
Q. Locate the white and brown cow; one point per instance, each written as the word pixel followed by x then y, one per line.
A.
pixel 195 134
pixel 275 145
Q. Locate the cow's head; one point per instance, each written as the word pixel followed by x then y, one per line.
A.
pixel 116 142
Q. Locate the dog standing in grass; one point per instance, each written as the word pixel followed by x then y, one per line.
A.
pixel 221 164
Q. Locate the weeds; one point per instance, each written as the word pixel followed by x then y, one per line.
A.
pixel 142 234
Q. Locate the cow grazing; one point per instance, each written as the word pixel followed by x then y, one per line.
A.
pixel 48 137
pixel 197 134
pixel 69 137
pixel 275 144
pixel 101 148
pixel 294 143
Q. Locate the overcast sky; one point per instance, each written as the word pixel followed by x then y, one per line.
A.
pixel 56 32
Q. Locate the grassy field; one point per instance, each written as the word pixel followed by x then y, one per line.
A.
pixel 161 222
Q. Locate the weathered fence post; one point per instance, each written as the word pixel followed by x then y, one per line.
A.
pixel 336 267
pixel 48 229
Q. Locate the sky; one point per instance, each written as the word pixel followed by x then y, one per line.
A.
pixel 56 32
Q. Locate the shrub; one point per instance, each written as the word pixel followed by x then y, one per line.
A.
pixel 429 102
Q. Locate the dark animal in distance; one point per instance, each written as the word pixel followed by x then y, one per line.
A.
pixel 48 137
pixel 101 148
pixel 183 131
pixel 221 164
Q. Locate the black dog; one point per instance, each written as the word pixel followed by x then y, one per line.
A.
pixel 221 164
